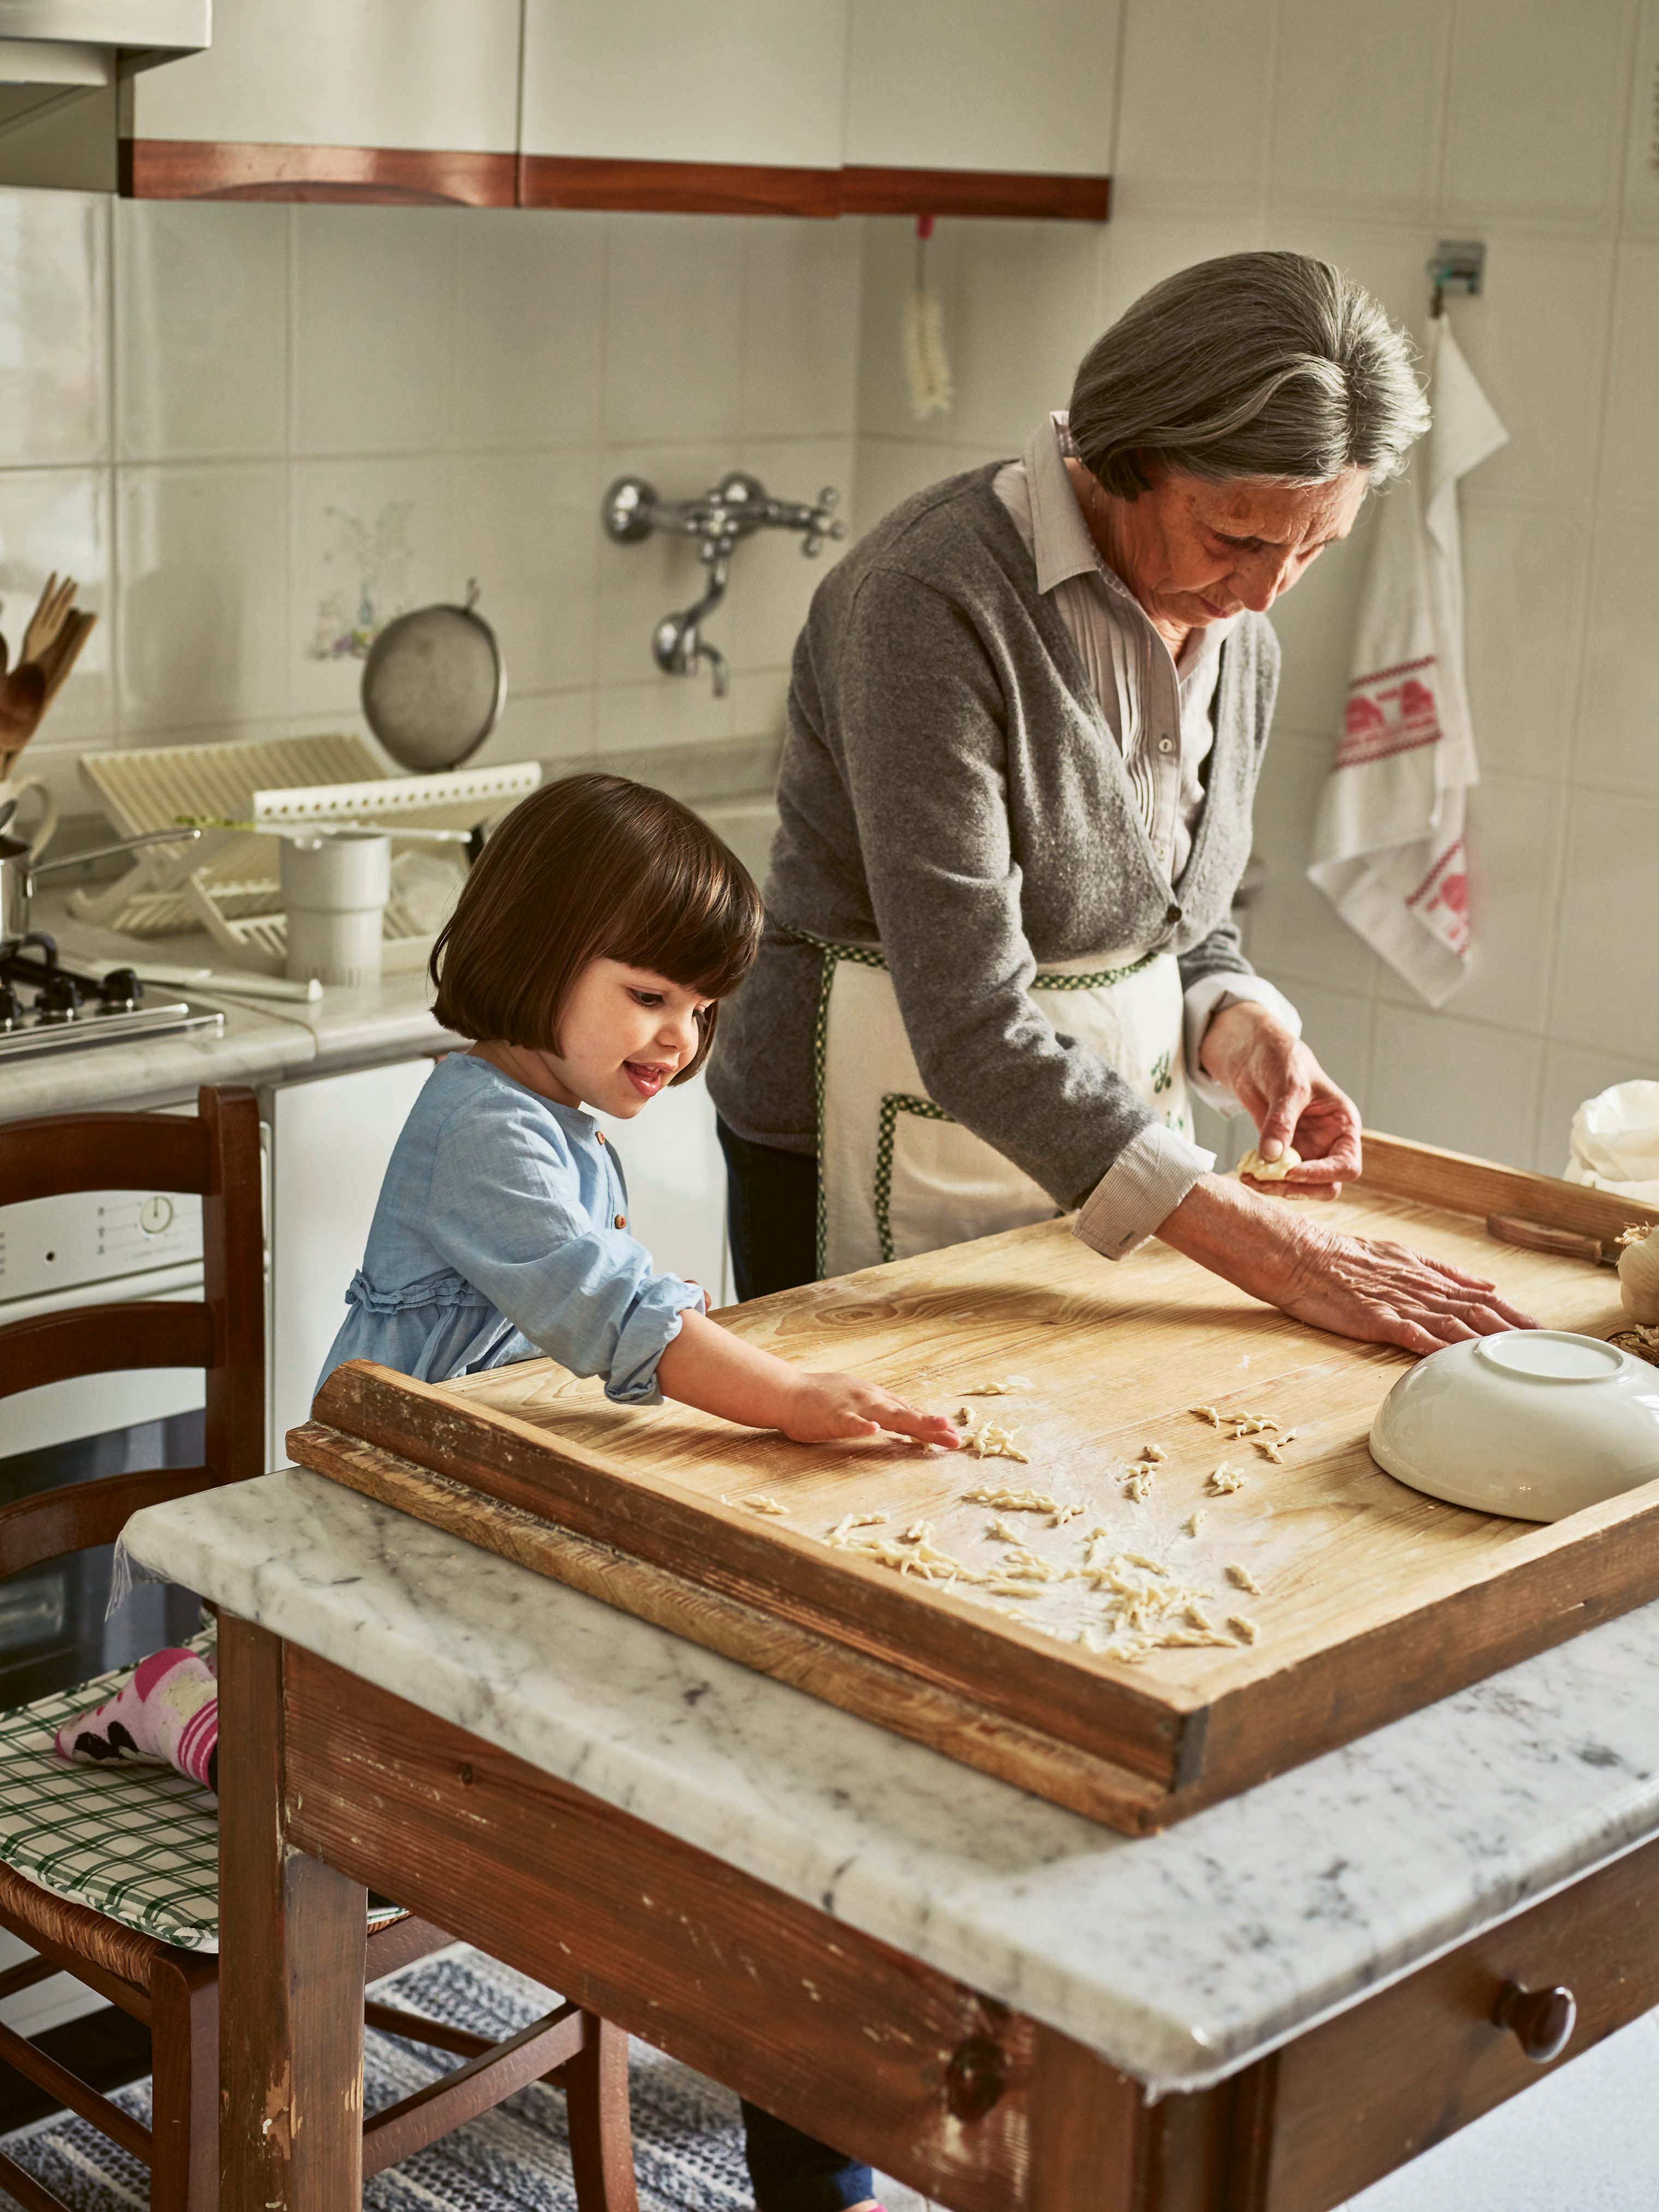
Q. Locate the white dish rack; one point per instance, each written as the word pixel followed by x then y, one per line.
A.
pixel 227 882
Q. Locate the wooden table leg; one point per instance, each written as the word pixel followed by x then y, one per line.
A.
pixel 601 2137
pixel 292 1934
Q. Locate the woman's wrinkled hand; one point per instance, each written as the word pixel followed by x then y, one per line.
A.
pixel 1356 1287
pixel 825 1408
pixel 1289 1097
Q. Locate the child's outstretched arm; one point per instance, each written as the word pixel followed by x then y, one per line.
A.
pixel 717 1372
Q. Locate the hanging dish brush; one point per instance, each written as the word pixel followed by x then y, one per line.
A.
pixel 927 364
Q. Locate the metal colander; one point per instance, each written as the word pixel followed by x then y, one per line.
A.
pixel 433 685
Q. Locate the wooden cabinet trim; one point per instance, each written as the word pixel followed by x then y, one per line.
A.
pixel 186 169
pixel 1010 194
pixel 393 176
pixel 568 180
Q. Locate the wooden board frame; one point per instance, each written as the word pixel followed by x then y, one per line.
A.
pixel 1072 1727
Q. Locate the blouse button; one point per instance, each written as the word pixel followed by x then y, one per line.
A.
pixel 619 1221
pixel 1166 744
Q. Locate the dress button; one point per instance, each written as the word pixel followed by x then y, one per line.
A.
pixel 619 1221
pixel 1173 915
pixel 1166 744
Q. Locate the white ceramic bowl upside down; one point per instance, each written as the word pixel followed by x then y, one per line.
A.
pixel 1535 1423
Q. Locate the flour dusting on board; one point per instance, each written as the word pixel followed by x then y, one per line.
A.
pixel 1091 1560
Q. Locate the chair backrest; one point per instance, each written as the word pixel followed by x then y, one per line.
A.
pixel 216 1156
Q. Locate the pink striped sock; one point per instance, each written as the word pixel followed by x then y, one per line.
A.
pixel 169 1710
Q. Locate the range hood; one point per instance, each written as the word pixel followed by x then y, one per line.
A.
pixel 63 63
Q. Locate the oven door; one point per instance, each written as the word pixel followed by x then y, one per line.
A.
pixel 53 1631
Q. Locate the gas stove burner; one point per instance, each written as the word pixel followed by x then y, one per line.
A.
pixel 120 991
pixel 47 1007
pixel 59 999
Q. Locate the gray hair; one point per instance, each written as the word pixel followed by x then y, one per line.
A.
pixel 1266 365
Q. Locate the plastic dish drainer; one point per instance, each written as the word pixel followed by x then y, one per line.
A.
pixel 227 882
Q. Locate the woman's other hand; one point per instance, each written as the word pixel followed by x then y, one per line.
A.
pixel 1289 1097
pixel 825 1408
pixel 1379 1292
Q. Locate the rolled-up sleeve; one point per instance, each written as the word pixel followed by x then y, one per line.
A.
pixel 1139 1191
pixel 504 1210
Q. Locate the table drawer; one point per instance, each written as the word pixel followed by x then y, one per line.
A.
pixel 1350 2101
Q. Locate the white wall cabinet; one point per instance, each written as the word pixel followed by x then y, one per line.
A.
pixel 435 75
pixel 747 81
pixel 805 106
pixel 330 1143
pixel 979 85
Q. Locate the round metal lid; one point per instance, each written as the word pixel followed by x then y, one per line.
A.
pixel 433 685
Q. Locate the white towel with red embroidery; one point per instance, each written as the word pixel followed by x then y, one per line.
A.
pixel 1389 849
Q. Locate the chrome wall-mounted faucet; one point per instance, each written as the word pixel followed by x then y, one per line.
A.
pixel 736 507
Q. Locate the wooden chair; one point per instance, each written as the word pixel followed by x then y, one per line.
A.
pixel 172 1987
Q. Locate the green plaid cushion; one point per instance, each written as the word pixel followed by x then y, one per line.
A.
pixel 139 1844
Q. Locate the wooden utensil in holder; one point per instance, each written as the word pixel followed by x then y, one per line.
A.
pixel 57 631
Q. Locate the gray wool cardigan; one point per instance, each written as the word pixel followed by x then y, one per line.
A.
pixel 950 790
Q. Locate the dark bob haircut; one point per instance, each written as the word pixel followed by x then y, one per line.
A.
pixel 591 867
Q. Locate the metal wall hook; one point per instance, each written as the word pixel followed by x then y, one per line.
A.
pixel 1458 265
pixel 732 510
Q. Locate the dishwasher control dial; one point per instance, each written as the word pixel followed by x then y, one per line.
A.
pixel 155 1215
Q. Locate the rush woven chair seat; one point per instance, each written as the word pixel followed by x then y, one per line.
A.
pixel 110 1874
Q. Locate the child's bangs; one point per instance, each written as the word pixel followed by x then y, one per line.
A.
pixel 697 922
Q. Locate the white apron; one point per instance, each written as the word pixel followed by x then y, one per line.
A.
pixel 896 1175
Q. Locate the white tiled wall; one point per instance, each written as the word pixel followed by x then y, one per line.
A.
pixel 1364 135
pixel 236 423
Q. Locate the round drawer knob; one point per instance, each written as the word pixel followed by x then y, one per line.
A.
pixel 975 2078
pixel 1541 2020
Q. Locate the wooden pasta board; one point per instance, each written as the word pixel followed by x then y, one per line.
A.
pixel 1375 1600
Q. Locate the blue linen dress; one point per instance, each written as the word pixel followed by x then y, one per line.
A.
pixel 496 1239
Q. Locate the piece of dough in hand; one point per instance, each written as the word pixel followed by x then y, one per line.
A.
pixel 1263 1171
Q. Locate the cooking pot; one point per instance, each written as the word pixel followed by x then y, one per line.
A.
pixel 18 870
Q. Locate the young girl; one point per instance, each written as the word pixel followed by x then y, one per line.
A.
pixel 587 954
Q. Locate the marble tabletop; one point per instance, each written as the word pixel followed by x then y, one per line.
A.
pixel 1180 1957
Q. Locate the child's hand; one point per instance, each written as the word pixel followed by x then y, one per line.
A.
pixel 822 1408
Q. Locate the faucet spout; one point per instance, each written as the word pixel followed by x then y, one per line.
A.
pixel 678 642
pixel 733 509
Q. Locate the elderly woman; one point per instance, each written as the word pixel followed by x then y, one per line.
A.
pixel 1026 721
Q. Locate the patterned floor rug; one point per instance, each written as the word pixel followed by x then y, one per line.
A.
pixel 688 2142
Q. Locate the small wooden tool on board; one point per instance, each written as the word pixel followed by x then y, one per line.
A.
pixel 1546 1236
